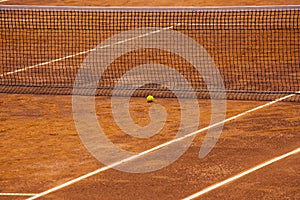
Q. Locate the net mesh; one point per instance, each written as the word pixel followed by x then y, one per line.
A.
pixel 256 51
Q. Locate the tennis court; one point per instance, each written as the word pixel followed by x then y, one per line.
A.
pixel 42 154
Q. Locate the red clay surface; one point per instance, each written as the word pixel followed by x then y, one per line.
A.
pixel 40 147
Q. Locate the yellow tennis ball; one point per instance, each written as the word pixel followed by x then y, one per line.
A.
pixel 150 98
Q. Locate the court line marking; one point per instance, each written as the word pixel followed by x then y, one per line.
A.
pixel 16 194
pixel 240 175
pixel 1 1
pixel 85 176
pixel 87 51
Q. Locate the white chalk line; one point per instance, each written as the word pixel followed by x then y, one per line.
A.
pixel 1 1
pixel 240 175
pixel 73 181
pixel 84 52
pixel 16 194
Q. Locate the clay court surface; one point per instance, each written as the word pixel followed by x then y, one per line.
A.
pixel 40 148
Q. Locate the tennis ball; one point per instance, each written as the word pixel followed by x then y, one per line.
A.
pixel 150 98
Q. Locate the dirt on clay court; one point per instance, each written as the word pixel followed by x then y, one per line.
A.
pixel 41 149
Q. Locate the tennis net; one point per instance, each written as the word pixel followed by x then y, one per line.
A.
pixel 256 51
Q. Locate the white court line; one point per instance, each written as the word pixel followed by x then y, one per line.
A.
pixel 16 194
pixel 84 52
pixel 45 63
pixel 240 175
pixel 1 1
pixel 73 181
